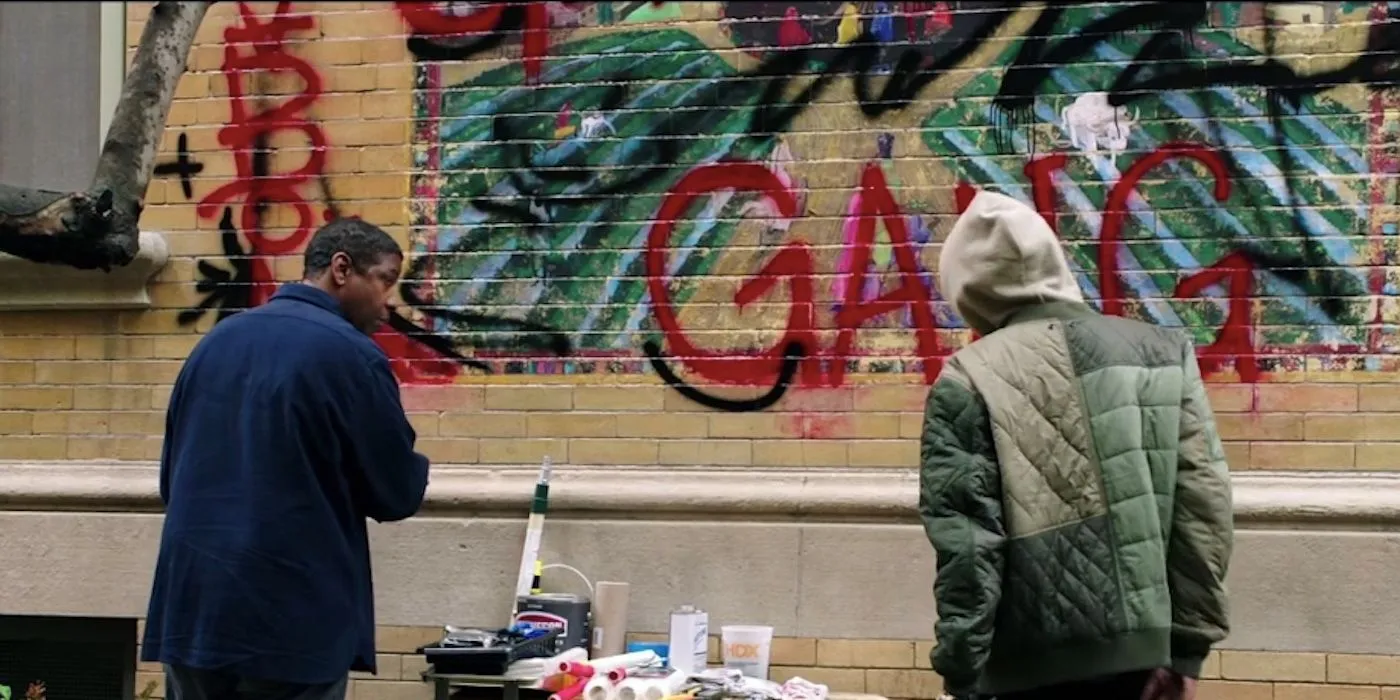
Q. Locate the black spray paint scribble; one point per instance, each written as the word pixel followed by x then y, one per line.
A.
pixel 183 166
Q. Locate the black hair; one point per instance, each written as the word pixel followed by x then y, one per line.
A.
pixel 365 243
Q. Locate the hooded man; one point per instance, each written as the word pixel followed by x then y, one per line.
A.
pixel 1072 484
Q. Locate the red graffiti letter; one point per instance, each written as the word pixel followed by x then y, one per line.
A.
pixel 1116 210
pixel 793 261
pixel 1236 338
pixel 1041 173
pixel 876 201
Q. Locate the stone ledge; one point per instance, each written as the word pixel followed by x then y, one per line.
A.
pixel 1262 499
pixel 30 286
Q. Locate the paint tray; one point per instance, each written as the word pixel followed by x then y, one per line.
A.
pixel 489 658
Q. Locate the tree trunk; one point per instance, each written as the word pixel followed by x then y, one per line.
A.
pixel 98 228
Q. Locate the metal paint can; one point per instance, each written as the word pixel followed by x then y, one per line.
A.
pixel 689 643
pixel 565 612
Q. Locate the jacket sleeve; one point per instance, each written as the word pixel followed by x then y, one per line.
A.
pixel 1202 530
pixel 960 504
pixel 393 477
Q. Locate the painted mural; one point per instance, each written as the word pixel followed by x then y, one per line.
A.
pixel 752 193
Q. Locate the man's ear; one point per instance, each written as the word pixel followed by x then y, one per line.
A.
pixel 340 268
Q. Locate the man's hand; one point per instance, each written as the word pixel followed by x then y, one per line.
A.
pixel 1166 684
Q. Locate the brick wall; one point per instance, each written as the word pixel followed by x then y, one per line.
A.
pixel 899 669
pixel 549 290
pixel 552 295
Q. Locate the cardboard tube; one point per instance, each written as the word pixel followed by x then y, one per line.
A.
pixel 609 618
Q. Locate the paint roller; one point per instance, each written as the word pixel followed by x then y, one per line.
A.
pixel 534 532
pixel 607 663
pixel 651 688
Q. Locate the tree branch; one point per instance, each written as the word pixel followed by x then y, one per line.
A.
pixel 98 229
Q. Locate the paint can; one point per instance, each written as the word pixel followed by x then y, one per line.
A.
pixel 565 612
pixel 689 642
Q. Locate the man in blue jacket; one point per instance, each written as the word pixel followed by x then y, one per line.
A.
pixel 284 433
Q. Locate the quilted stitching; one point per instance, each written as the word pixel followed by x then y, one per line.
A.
pixel 1047 474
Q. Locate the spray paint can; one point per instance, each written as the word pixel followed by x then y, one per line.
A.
pixel 689 639
pixel 565 612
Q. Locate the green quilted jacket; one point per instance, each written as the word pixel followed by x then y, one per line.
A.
pixel 1072 482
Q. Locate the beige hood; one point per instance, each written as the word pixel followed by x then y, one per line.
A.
pixel 1001 256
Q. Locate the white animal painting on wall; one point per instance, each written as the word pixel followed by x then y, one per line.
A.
pixel 1092 123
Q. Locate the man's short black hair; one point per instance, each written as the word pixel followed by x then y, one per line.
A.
pixel 365 243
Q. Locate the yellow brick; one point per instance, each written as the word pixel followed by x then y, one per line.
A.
pixel 620 398
pixel 1211 669
pixel 71 423
pixel 529 398
pixel 1232 690
pixel 40 348
pixel 1302 455
pixel 1379 456
pixel 1306 397
pixel 395 77
pixel 745 425
pixel 483 424
pixel 1237 455
pixel 136 422
pixel 378 132
pixel 1272 666
pixel 899 397
pixel 450 451
pixel 381 105
pixel 911 425
pixel 903 683
pixel 884 453
pixel 73 372
pixel 709 453
pixel 389 667
pixel 1253 426
pixel 1351 426
pixel 33 447
pixel 391 690
pixel 613 452
pixel 395 159
pixel 793 651
pixel 521 451
pixel 1309 691
pixel 17 422
pixel 874 426
pixel 1379 398
pixel 125 398
pixel 839 680
pixel 17 372
pixel 391 639
pixel 866 653
pixel 800 453
pixel 664 425
pixel 1363 669
pixel 424 424
pixel 414 665
pixel 37 398
pixel 148 372
pixel 573 424
pixel 923 652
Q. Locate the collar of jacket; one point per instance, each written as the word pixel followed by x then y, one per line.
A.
pixel 315 296
pixel 1064 310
